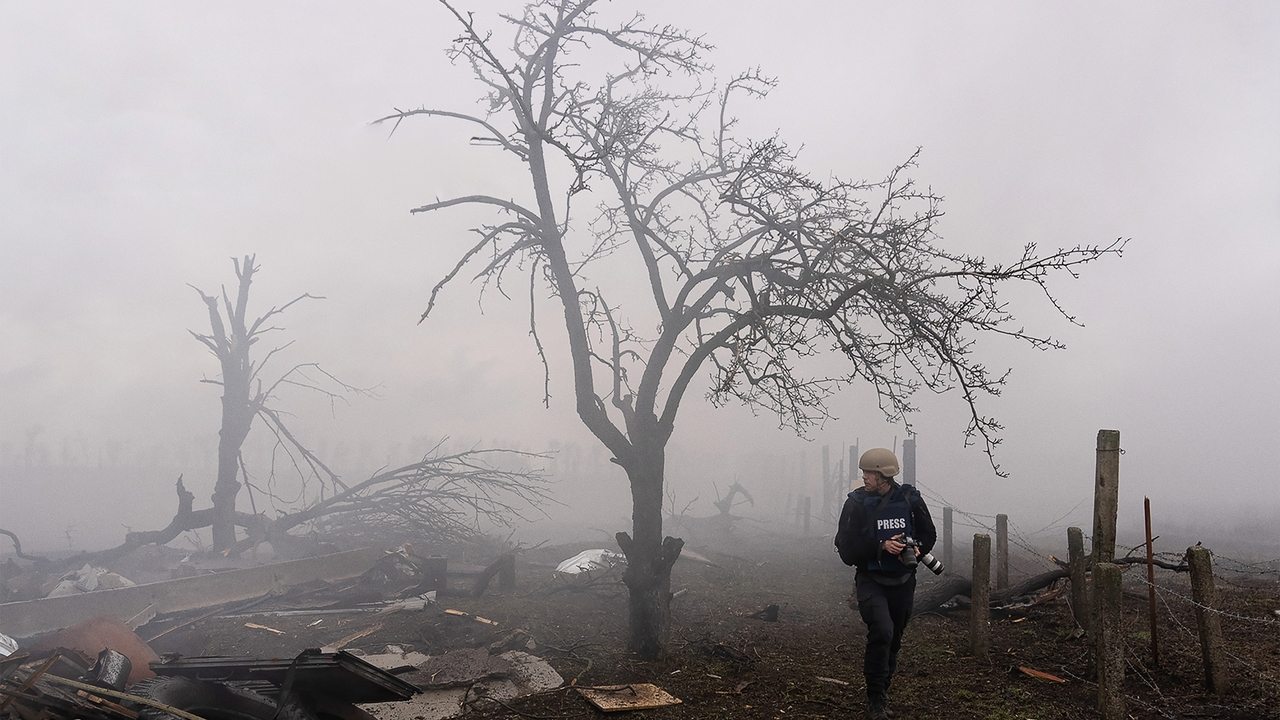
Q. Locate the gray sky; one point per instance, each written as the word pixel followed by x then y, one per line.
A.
pixel 143 144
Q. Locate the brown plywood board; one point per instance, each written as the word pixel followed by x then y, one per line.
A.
pixel 635 696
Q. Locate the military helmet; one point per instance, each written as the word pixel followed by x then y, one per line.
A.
pixel 881 460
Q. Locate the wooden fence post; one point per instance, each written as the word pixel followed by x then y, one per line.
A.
pixel 980 598
pixel 946 537
pixel 1002 551
pixel 1108 640
pixel 1205 596
pixel 1076 565
pixel 1106 496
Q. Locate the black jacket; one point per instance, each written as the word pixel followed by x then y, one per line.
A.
pixel 856 538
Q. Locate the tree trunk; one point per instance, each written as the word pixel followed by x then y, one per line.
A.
pixel 237 416
pixel 649 556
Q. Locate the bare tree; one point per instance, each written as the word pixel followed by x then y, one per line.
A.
pixel 247 396
pixel 750 265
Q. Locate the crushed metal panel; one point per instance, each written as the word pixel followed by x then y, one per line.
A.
pixel 339 674
pixel 634 696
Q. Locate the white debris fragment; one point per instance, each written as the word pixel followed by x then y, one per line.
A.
pixel 591 560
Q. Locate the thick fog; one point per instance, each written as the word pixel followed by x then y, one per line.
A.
pixel 143 145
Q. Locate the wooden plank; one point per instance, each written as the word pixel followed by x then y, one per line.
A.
pixel 635 696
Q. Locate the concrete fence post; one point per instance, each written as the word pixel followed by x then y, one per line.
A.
pixel 1002 551
pixel 1076 564
pixel 1108 640
pixel 980 597
pixel 909 461
pixel 1106 495
pixel 855 474
pixel 1205 596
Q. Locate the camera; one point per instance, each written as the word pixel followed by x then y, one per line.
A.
pixel 911 557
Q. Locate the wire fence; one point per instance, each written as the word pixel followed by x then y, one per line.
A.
pixel 1241 614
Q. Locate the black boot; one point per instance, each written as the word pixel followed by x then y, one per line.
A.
pixel 876 709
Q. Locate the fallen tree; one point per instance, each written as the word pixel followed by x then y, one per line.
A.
pixel 933 597
pixel 439 499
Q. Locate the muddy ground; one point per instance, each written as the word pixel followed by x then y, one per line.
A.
pixel 723 662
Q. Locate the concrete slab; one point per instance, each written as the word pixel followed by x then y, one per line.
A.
pixel 33 617
pixel 527 674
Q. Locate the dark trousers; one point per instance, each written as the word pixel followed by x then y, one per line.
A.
pixel 885 609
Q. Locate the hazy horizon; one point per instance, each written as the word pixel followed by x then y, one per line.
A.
pixel 146 144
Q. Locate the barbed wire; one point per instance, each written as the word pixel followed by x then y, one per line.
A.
pixel 1206 608
pixel 1134 698
pixel 1134 661
pixel 1247 568
pixel 1014 537
pixel 1196 636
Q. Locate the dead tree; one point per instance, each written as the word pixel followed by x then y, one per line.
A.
pixel 749 264
pixel 246 396
pixel 725 504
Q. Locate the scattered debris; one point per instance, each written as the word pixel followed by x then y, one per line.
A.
pixel 592 560
pixel 458 680
pixel 340 644
pixel 464 614
pixel 634 696
pixel 93 636
pixel 833 681
pixel 768 614
pixel 517 639
pixel 256 626
pixel 34 617
pixel 313 684
pixel 340 674
pixel 395 659
pixel 8 645
pixel 147 614
pixel 88 579
pixel 1039 675
pixel 687 554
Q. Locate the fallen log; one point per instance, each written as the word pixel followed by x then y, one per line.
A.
pixel 186 518
pixel 932 597
pixel 936 595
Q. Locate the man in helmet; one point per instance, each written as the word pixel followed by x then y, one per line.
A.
pixel 876 520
